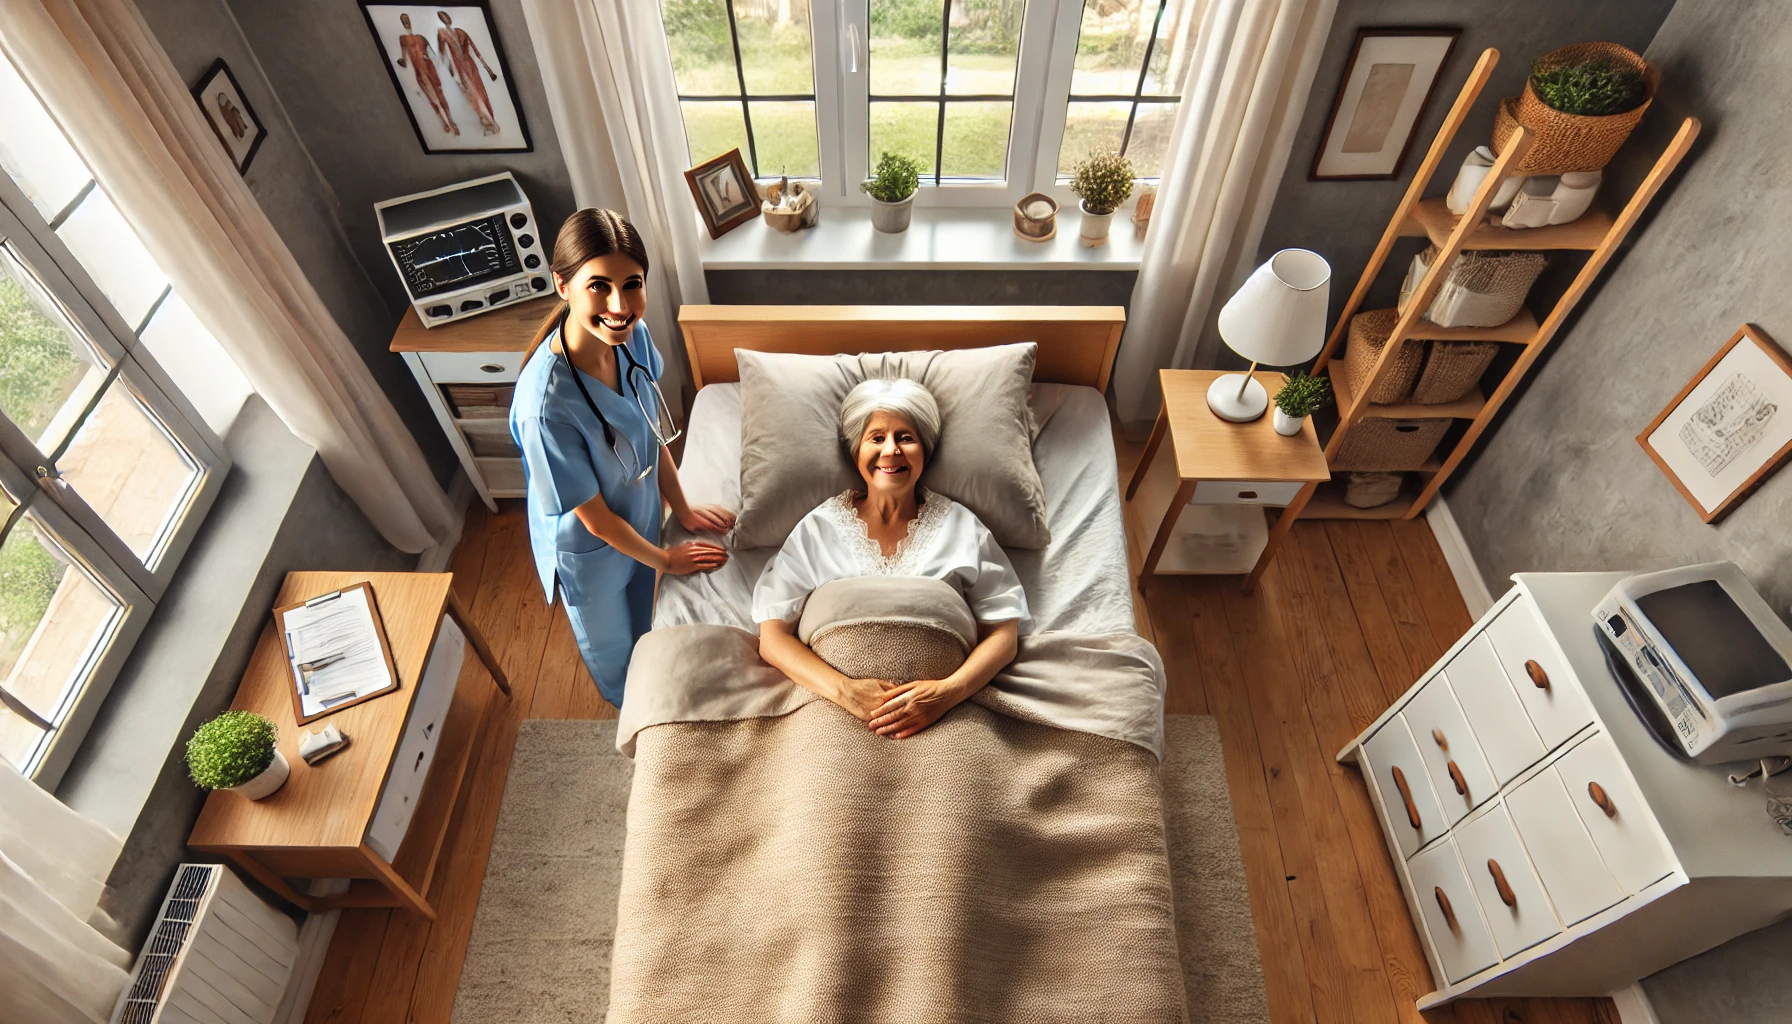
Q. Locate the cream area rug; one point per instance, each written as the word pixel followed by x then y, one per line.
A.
pixel 540 950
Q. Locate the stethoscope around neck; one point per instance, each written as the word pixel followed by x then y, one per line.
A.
pixel 659 421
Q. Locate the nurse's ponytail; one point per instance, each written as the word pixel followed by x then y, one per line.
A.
pixel 587 235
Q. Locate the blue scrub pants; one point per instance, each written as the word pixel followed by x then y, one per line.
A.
pixel 606 630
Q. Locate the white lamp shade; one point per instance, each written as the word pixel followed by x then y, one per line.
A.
pixel 1278 316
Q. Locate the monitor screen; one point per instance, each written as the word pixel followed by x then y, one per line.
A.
pixel 464 254
pixel 1725 651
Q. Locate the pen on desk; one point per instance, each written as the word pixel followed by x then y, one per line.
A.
pixel 321 663
pixel 321 598
pixel 329 702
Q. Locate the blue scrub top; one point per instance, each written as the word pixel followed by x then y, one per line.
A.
pixel 567 462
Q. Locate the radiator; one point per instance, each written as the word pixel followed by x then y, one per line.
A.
pixel 218 954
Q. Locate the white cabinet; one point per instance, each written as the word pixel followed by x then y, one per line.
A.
pixel 1546 843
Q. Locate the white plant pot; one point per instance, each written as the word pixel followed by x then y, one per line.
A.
pixel 891 218
pixel 1287 425
pixel 271 779
pixel 1095 226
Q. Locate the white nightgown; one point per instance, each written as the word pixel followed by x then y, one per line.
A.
pixel 945 541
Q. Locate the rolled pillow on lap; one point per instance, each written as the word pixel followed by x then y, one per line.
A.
pixel 889 627
pixel 791 460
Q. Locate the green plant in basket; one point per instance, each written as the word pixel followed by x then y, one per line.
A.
pixel 1102 181
pixel 894 180
pixel 231 749
pixel 1303 395
pixel 1590 88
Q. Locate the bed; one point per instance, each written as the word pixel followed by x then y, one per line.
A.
pixel 784 864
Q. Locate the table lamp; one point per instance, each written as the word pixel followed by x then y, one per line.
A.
pixel 1277 317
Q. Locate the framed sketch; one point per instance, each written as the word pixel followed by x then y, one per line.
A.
pixel 449 69
pixel 725 193
pixel 1386 86
pixel 229 114
pixel 1728 429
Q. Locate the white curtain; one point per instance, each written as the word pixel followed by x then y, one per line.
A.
pixel 615 106
pixel 112 88
pixel 1248 85
pixel 55 966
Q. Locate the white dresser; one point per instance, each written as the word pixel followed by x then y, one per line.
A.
pixel 1546 842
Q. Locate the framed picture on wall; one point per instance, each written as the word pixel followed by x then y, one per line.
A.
pixel 449 69
pixel 725 193
pixel 1730 428
pixel 229 114
pixel 1386 86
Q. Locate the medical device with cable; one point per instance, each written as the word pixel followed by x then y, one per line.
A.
pixel 464 249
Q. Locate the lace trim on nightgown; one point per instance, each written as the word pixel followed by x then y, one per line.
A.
pixel 871 555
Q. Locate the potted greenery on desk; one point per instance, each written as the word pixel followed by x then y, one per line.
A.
pixel 1300 397
pixel 1102 182
pixel 892 190
pixel 236 751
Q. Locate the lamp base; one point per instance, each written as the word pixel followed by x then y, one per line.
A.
pixel 1223 399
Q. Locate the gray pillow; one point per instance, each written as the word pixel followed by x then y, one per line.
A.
pixel 791 459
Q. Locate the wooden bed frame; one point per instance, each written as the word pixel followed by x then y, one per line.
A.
pixel 1076 343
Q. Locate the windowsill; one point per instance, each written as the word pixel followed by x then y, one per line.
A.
pixel 937 239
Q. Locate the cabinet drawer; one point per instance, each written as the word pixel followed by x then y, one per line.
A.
pixel 1459 774
pixel 1245 492
pixel 1518 913
pixel 1573 873
pixel 1628 838
pixel 1548 690
pixel 471 367
pixel 1458 933
pixel 1494 713
pixel 1405 789
pixel 503 477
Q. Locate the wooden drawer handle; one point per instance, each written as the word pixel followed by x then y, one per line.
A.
pixel 1597 792
pixel 1538 676
pixel 1412 809
pixel 492 367
pixel 1443 904
pixel 1442 744
pixel 1456 777
pixel 1507 896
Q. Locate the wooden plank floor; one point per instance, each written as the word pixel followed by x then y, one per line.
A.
pixel 1348 617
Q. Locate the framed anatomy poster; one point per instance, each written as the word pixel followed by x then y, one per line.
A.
pixel 1728 429
pixel 449 69
pixel 1387 83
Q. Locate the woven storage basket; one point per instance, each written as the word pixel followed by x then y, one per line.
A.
pixel 1367 490
pixel 1389 445
pixel 1452 369
pixel 1571 142
pixel 1368 335
pixel 1484 288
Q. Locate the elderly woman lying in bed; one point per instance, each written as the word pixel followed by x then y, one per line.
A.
pixel 893 527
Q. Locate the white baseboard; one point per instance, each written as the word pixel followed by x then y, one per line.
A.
pixel 1456 554
pixel 1633 1006
pixel 460 492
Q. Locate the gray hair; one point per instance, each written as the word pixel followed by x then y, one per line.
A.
pixel 900 395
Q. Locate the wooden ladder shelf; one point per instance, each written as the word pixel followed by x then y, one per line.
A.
pixel 1596 232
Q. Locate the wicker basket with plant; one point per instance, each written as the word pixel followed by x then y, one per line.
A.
pixel 236 751
pixel 892 188
pixel 1581 102
pixel 1102 182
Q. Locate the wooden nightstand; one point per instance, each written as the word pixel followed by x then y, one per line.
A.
pixel 1209 502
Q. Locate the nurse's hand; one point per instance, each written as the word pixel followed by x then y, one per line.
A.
pixel 706 519
pixel 694 556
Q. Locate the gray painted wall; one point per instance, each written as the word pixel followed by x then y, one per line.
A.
pixel 923 287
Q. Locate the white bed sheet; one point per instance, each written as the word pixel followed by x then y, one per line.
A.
pixel 1078 583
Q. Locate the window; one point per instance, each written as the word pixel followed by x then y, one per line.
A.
pixel 105 468
pixel 993 98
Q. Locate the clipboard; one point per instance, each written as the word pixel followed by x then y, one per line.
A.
pixel 379 628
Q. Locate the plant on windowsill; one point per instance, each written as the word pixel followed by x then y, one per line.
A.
pixel 1102 182
pixel 236 751
pixel 1301 396
pixel 892 190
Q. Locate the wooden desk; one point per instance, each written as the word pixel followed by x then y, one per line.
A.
pixel 1231 472
pixel 316 825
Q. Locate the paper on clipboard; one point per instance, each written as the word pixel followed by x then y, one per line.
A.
pixel 334 649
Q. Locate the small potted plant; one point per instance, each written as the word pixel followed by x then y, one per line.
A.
pixel 1300 397
pixel 1581 102
pixel 892 190
pixel 1102 183
pixel 236 751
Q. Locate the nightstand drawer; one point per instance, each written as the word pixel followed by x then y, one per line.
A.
pixel 1245 492
pixel 1550 693
pixel 472 367
pixel 1452 757
pixel 1404 786
pixel 1452 914
pixel 1573 873
pixel 1518 913
pixel 1493 710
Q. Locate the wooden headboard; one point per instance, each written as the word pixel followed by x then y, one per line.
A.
pixel 1076 343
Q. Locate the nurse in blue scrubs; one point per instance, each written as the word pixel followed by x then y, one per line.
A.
pixel 590 419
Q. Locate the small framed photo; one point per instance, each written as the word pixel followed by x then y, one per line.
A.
pixel 229 114
pixel 725 193
pixel 449 69
pixel 1730 428
pixel 1386 86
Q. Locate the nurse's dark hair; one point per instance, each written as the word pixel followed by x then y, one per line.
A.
pixel 587 235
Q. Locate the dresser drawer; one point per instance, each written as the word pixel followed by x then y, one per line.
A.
pixel 1453 922
pixel 1245 492
pixel 1405 789
pixel 1626 834
pixel 1573 873
pixel 1459 774
pixel 1493 709
pixel 472 367
pixel 1548 690
pixel 1518 912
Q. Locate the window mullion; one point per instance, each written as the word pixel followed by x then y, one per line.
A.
pixel 1032 78
pixel 939 124
pixel 854 109
pixel 740 76
pixel 1132 111
pixel 1055 95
